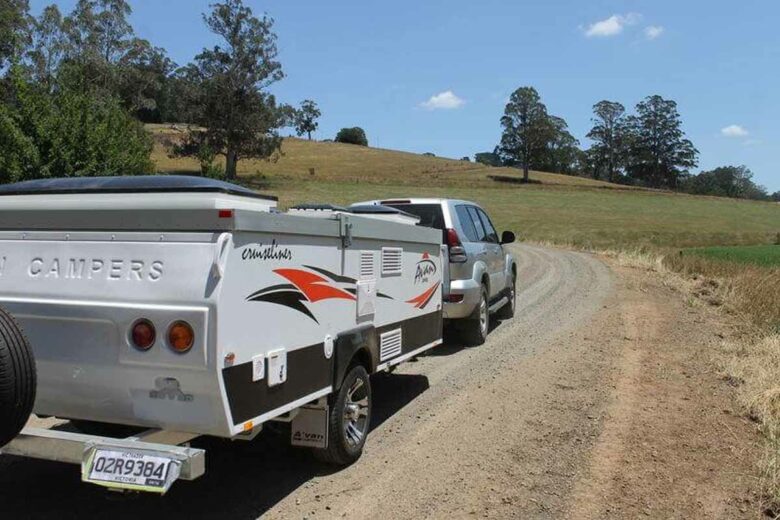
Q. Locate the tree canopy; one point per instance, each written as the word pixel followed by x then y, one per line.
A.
pixel 354 135
pixel 659 152
pixel 724 181
pixel 527 129
pixel 610 138
pixel 233 113
pixel 305 118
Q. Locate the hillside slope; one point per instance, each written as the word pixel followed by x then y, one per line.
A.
pixel 556 208
pixel 345 163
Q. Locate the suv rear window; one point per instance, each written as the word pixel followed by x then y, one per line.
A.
pixel 430 215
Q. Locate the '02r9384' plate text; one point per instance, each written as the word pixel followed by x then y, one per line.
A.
pixel 132 469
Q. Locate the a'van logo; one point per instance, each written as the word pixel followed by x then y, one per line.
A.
pixel 169 389
pixel 425 269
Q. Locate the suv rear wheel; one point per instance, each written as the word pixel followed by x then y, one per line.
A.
pixel 475 329
pixel 508 310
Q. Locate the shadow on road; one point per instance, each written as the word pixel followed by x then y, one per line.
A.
pixel 243 479
pixel 452 342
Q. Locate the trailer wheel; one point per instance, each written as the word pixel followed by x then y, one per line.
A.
pixel 475 329
pixel 349 420
pixel 17 379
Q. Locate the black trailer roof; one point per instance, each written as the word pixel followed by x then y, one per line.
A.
pixel 128 184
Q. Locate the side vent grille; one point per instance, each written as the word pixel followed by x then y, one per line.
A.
pixel 389 344
pixel 391 261
pixel 367 265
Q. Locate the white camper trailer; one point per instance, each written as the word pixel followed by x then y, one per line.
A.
pixel 188 307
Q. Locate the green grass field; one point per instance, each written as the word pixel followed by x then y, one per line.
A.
pixel 557 208
pixel 762 255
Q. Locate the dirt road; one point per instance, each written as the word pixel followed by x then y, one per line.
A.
pixel 596 401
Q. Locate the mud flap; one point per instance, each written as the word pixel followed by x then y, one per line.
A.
pixel 310 427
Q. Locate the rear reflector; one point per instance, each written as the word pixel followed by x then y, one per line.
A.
pixel 181 337
pixel 142 335
pixel 226 213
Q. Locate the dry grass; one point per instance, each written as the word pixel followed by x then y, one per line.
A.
pixel 750 362
pixel 754 367
pixel 328 162
pixel 557 208
pixel 751 291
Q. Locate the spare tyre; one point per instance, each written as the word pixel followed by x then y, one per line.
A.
pixel 17 379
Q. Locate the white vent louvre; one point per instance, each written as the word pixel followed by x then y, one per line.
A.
pixel 389 344
pixel 391 260
pixel 366 265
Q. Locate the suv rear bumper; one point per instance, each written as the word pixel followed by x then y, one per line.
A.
pixel 464 308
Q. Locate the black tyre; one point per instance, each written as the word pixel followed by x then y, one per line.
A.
pixel 474 330
pixel 17 379
pixel 508 310
pixel 349 419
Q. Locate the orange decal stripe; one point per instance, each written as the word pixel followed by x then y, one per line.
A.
pixel 313 286
pixel 418 301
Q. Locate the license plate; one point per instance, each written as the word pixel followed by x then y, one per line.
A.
pixel 130 469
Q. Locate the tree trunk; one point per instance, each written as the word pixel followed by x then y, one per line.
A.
pixel 525 171
pixel 309 135
pixel 231 160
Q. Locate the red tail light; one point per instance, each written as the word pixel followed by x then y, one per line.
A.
pixel 143 334
pixel 457 253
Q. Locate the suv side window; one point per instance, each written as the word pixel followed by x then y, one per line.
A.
pixel 481 234
pixel 466 223
pixel 490 231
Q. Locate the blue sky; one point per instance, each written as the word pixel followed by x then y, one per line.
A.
pixel 433 76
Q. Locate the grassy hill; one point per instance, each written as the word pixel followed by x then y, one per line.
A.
pixel 555 208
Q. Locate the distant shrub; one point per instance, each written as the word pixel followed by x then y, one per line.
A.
pixel 488 158
pixel 354 135
pixel 466 158
pixel 429 154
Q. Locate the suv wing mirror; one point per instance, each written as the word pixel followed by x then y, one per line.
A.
pixel 507 237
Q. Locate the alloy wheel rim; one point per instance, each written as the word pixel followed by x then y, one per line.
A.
pixel 513 295
pixel 355 419
pixel 483 316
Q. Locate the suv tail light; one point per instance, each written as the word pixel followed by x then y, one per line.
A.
pixel 457 253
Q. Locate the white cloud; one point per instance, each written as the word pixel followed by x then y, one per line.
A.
pixel 611 26
pixel 653 31
pixel 734 131
pixel 446 100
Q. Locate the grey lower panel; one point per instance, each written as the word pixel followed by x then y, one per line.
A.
pixel 417 332
pixel 308 370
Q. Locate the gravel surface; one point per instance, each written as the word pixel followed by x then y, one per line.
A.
pixel 557 415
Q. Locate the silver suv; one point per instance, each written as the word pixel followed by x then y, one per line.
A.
pixel 481 275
